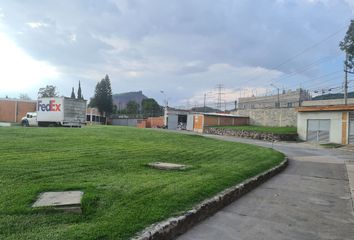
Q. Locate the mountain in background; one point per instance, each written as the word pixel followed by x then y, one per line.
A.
pixel 121 99
pixel 333 96
pixel 206 109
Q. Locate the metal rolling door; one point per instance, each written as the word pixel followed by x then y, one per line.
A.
pixel 318 130
pixel 172 122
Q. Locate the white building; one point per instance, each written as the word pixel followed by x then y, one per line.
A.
pixel 326 123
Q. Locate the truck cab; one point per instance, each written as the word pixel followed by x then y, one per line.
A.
pixel 30 120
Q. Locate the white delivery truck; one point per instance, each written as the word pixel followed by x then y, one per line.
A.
pixel 57 111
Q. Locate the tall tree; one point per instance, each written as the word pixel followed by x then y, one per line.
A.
pixel 48 91
pixel 103 96
pixel 24 96
pixel 347 46
pixel 79 94
pixel 132 107
pixel 73 94
pixel 150 108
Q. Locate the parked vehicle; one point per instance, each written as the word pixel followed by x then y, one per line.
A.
pixel 30 119
pixel 58 111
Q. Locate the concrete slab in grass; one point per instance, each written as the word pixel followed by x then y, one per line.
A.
pixel 69 201
pixel 167 166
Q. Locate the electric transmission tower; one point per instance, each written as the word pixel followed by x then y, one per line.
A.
pixel 220 93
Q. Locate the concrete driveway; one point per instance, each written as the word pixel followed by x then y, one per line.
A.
pixel 310 200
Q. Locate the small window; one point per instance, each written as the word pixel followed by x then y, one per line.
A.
pixel 290 104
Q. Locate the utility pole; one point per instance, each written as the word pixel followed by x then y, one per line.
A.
pixel 278 104
pixel 204 102
pixel 166 106
pixel 346 80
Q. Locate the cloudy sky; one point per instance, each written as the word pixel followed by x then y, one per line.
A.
pixel 183 47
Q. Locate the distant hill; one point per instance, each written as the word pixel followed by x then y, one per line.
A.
pixel 121 99
pixel 333 96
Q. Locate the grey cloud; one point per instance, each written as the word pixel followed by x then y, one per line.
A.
pixel 158 34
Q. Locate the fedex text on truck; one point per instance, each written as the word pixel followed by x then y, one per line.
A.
pixel 49 107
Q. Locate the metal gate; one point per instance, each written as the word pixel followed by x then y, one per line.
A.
pixel 318 130
pixel 172 122
pixel 351 128
pixel 190 122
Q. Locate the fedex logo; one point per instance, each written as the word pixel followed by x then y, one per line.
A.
pixel 50 107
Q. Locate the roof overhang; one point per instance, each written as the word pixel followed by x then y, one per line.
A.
pixel 326 108
pixel 222 115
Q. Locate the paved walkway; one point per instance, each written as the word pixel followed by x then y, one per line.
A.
pixel 309 200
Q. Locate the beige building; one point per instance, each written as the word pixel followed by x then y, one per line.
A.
pixel 289 99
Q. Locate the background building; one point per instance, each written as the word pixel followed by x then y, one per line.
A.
pixel 268 111
pixel 289 99
pixel 93 116
pixel 12 110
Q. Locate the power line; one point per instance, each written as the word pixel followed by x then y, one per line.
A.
pixel 301 52
pixel 311 47
pixel 306 68
pixel 319 77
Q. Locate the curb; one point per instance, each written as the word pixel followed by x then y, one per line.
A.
pixel 349 166
pixel 175 226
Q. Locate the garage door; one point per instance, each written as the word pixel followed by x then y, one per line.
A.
pixel 318 130
pixel 351 128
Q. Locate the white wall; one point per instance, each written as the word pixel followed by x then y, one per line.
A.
pixel 335 135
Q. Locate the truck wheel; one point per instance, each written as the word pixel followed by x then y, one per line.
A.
pixel 25 123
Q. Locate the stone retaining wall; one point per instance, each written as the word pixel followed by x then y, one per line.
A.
pixel 251 134
pixel 173 227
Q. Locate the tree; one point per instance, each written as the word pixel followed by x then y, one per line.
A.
pixel 24 96
pixel 347 46
pixel 73 93
pixel 79 94
pixel 150 108
pixel 48 91
pixel 103 96
pixel 132 107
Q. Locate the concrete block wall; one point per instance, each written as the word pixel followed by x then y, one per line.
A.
pixel 273 117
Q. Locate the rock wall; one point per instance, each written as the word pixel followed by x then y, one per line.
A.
pixel 272 117
pixel 251 134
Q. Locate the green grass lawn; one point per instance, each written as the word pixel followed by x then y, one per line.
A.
pixel 122 195
pixel 278 130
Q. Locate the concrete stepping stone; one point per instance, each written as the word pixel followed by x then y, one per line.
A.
pixel 167 166
pixel 69 201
